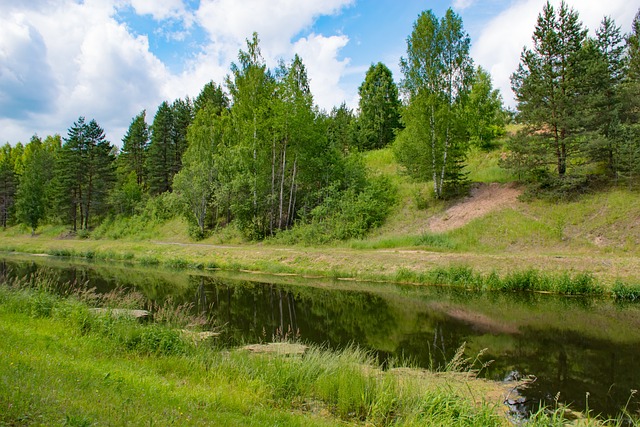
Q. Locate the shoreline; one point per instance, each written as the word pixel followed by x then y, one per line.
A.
pixel 400 266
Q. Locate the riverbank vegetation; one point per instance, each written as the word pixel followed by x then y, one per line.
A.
pixel 59 358
pixel 153 374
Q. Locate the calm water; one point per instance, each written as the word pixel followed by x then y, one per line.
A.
pixel 573 346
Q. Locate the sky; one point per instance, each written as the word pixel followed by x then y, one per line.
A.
pixel 110 59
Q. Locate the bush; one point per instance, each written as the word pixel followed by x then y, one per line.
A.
pixel 345 214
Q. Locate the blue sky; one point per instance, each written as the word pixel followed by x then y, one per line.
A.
pixel 109 59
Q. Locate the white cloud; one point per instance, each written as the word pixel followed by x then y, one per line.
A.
pixel 320 56
pixel 160 9
pixel 229 23
pixel 462 4
pixel 276 22
pixel 500 43
pixel 83 62
pixel 62 59
pixel 26 80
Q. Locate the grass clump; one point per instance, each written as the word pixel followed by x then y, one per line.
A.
pixel 530 280
pixel 436 241
pixel 626 292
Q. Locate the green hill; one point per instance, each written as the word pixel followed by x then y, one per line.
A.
pixel 493 219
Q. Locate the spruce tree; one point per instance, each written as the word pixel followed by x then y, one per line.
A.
pixel 182 115
pixel 134 148
pixel 211 96
pixel 85 172
pixel 160 155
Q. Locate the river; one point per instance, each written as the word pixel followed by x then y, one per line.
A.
pixel 585 349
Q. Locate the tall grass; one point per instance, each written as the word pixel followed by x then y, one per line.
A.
pixel 148 373
pixel 348 385
pixel 530 280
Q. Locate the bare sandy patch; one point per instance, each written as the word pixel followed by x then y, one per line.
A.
pixel 483 199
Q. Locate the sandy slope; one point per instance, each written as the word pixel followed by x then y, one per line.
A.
pixel 483 199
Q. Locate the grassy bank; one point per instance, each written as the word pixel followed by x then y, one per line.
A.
pixel 62 365
pixel 569 274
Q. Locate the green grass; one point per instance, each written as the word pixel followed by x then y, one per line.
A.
pixel 520 280
pixel 61 365
pixel 483 166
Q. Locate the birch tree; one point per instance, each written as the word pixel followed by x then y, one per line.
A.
pixel 438 73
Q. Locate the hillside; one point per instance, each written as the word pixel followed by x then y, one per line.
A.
pixel 494 218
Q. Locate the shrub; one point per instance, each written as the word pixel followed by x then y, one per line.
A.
pixel 346 214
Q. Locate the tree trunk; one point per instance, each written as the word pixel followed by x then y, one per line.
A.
pixel 284 167
pixel 292 192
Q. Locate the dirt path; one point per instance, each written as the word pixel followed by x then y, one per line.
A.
pixel 484 198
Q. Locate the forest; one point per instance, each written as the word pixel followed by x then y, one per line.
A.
pixel 255 153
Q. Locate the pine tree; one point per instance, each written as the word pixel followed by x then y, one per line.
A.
pixel 379 108
pixel 211 96
pixel 630 95
pixel 182 115
pixel 602 75
pixel 85 172
pixel 633 50
pixel 547 84
pixel 160 155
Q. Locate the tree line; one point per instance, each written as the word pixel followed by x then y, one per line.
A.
pixel 257 153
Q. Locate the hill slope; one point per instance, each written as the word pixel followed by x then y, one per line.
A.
pixel 493 218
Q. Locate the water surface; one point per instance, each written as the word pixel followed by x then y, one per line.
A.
pixel 581 348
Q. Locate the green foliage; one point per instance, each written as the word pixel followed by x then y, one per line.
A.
pixel 211 97
pixel 574 98
pixel 133 155
pixel 345 214
pixel 626 292
pixel 435 241
pixel 342 128
pixel 8 184
pixel 34 187
pixel 530 280
pixel 85 173
pixel 159 163
pixel 127 196
pixel 548 80
pixel 485 113
pixel 142 225
pixel 379 104
pixel 438 73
